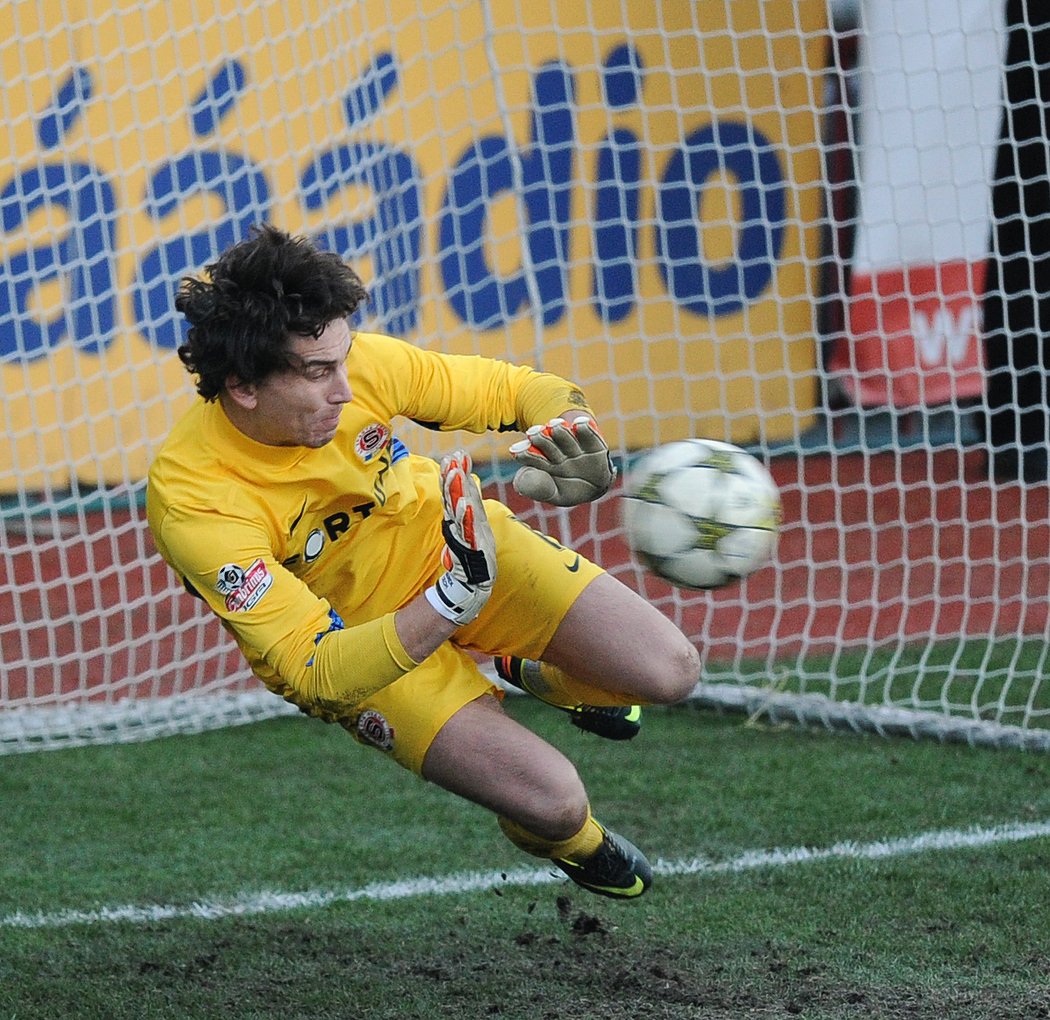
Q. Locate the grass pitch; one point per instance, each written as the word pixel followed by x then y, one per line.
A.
pixel 242 855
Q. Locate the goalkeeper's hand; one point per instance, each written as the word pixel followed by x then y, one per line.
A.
pixel 564 463
pixel 469 556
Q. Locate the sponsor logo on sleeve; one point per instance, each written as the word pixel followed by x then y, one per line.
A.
pixel 244 588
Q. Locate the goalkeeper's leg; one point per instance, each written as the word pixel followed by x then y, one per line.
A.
pixel 575 637
pixel 594 857
pixel 552 685
pixel 485 756
pixel 612 647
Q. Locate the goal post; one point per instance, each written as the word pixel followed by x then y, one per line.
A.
pixel 632 195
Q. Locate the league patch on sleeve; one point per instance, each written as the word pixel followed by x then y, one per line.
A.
pixel 229 579
pixel 243 588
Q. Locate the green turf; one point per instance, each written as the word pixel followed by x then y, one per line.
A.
pixel 292 806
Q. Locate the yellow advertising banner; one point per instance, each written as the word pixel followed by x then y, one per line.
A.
pixel 628 195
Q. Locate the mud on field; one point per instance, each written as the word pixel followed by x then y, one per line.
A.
pixel 582 972
pixel 583 967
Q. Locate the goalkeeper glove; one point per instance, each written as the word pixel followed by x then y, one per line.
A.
pixel 469 556
pixel 565 463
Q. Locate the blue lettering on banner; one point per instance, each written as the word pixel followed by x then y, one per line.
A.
pixel 544 171
pixel 617 194
pixel 753 162
pixel 487 169
pixel 83 257
pixel 245 194
pixel 393 237
pixel 240 185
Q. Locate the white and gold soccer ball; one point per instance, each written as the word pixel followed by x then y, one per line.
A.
pixel 700 513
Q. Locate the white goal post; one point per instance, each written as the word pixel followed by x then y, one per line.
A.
pixel 659 200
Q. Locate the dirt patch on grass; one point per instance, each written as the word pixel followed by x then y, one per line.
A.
pixel 584 972
pixel 568 959
pixel 589 965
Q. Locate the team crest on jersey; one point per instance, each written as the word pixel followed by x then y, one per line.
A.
pixel 372 728
pixel 370 440
pixel 243 588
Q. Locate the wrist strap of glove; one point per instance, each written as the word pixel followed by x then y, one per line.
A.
pixel 454 600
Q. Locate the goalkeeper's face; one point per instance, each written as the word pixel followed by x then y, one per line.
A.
pixel 301 404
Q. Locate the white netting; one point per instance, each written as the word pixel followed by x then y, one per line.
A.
pixel 659 200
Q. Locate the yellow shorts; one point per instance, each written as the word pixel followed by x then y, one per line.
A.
pixel 537 580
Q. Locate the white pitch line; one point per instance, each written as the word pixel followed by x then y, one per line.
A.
pixel 267 902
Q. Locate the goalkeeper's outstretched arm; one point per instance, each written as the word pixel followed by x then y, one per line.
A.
pixel 350 665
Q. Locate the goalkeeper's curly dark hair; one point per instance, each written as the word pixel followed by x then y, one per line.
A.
pixel 253 298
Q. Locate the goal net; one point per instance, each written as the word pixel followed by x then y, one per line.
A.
pixel 670 203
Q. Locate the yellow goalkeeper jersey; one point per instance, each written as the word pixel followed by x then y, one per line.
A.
pixel 290 544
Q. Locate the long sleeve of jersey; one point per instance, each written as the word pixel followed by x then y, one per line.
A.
pixel 450 392
pixel 294 640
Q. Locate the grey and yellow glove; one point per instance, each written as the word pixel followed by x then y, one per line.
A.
pixel 563 463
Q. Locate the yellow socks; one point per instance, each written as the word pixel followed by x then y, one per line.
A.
pixel 577 847
pixel 555 686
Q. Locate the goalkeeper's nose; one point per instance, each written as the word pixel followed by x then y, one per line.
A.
pixel 340 392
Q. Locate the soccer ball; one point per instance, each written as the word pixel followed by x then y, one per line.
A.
pixel 699 513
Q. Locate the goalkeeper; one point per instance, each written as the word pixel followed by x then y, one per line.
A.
pixel 362 582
